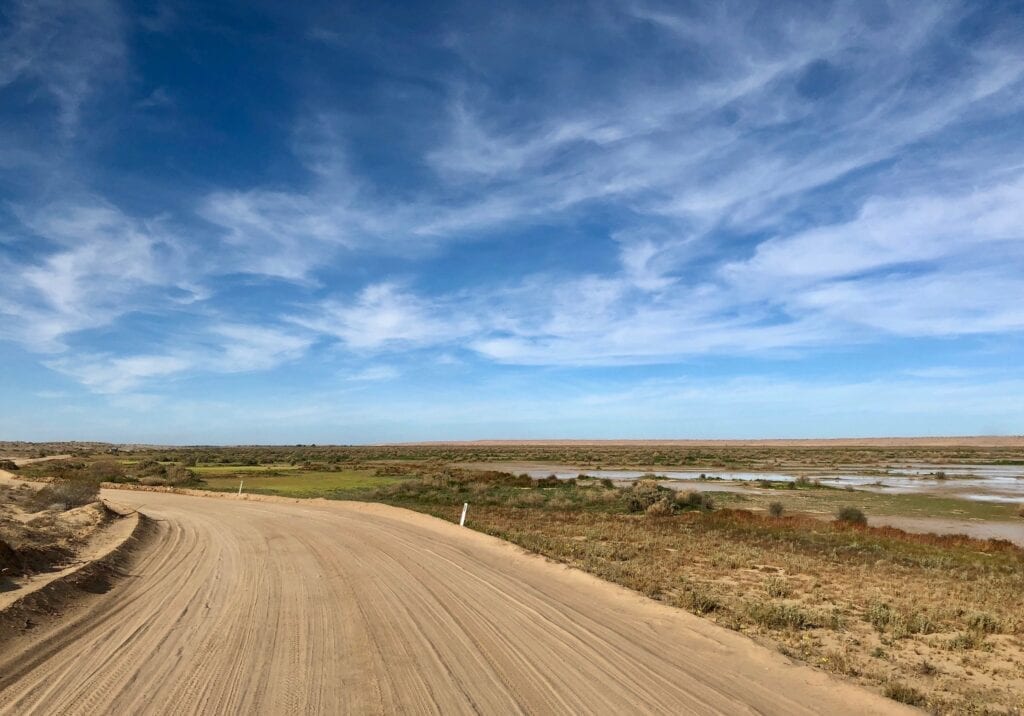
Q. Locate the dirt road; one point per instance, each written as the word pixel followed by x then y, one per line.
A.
pixel 297 608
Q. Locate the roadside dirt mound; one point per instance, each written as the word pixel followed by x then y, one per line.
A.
pixel 46 597
pixel 9 560
pixel 27 549
pixel 40 540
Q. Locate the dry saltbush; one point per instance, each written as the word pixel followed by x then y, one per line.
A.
pixel 661 508
pixel 66 495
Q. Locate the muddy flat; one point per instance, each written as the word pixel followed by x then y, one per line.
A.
pixel 278 607
pixel 978 529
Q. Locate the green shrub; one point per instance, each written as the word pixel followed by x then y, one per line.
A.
pixel 644 493
pixel 879 615
pixel 695 500
pixel 106 471
pixel 777 587
pixel 699 601
pixel 904 694
pixel 553 481
pixel 921 623
pixel 781 616
pixel 882 617
pixel 852 515
pixel 776 509
pixel 178 475
pixel 984 623
pixel 66 494
pixel 966 641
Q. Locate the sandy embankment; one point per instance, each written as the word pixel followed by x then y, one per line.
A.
pixel 103 547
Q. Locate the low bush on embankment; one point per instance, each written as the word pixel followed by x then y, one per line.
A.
pixel 929 620
pixel 42 529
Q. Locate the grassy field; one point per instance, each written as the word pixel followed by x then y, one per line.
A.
pixel 297 483
pixel 204 470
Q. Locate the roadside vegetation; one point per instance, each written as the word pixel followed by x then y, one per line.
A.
pixel 144 472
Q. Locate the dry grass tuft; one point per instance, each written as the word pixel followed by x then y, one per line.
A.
pixel 777 587
pixel 66 495
pixel 898 691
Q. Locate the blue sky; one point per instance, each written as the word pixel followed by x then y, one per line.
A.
pixel 303 222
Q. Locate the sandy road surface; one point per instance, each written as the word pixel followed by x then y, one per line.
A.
pixel 293 608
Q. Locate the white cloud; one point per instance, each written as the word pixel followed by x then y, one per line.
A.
pixel 383 316
pixel 222 348
pixel 279 233
pixel 105 265
pixel 893 231
pixel 247 348
pixel 109 374
pixel 947 304
pixel 931 265
pixel 374 374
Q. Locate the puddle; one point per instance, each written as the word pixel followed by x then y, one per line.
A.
pixel 993 483
pixel 564 474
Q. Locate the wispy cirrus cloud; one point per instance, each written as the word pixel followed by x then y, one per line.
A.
pixel 385 316
pixel 778 111
pixel 223 348
pixel 103 264
pixel 932 265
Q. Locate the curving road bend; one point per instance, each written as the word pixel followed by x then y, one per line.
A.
pixel 276 607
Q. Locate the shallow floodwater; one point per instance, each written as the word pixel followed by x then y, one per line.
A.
pixel 992 483
pixel 563 474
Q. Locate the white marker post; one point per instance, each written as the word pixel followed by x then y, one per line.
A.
pixel 462 520
pixel 240 487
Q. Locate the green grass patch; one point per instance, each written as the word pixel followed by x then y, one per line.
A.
pixel 242 469
pixel 302 483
